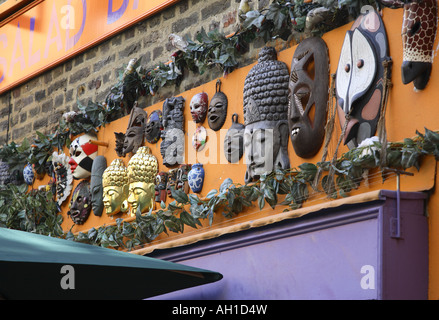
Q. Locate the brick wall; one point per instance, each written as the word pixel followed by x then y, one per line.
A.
pixel 38 104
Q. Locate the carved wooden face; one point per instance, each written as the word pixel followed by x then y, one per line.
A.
pixel 80 206
pixel 217 112
pixel 359 78
pixel 308 96
pixel 98 168
pixel 154 127
pixel 198 107
pixel 134 135
pixel 234 141
pixel 418 34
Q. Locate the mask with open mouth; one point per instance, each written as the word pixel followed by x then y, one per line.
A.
pixel 308 96
pixel 217 113
pixel 359 78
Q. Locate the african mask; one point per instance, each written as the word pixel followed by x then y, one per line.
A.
pixel 97 170
pixel 198 107
pixel 135 133
pixel 115 188
pixel 80 205
pixel 182 178
pixel 161 182
pixel 82 154
pixel 234 141
pixel 359 78
pixel 173 140
pixel 154 127
pixel 172 181
pixel 63 176
pixel 418 34
pixel 308 96
pixel 265 115
pixel 142 172
pixel 217 113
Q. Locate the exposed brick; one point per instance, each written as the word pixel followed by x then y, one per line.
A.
pixel 214 9
pixel 184 23
pixel 40 123
pixel 80 75
pixel 40 95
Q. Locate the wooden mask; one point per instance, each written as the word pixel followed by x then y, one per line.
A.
pixel 419 28
pixel 135 134
pixel 154 127
pixel 308 96
pixel 80 206
pixel 173 139
pixel 217 113
pixel 359 78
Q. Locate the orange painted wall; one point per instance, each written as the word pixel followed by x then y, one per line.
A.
pixel 407 112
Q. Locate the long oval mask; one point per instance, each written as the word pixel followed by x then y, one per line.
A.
pixel 359 78
pixel 217 112
pixel 308 96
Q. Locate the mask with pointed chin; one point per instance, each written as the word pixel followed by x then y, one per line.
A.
pixel 82 154
pixel 359 78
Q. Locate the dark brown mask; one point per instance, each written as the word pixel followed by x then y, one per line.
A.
pixel 308 96
pixel 217 113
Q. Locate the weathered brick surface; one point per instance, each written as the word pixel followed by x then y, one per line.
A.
pixel 39 103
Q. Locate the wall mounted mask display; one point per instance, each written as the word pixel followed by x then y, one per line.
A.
pixel 115 188
pixel 154 127
pixel 182 177
pixel 234 141
pixel 308 98
pixel 142 172
pixel 217 112
pixel 63 177
pixel 196 178
pixel 199 138
pixel 80 205
pixel 266 131
pixel 173 140
pixel 419 29
pixel 135 134
pixel 96 189
pixel 359 78
pixel 198 107
pixel 82 154
pixel 161 183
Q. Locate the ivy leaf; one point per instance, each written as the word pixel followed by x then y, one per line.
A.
pixel 225 185
pixel 187 219
pixel 276 15
pixel 179 196
pixel 253 19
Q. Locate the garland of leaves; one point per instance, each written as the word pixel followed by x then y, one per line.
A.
pixel 282 19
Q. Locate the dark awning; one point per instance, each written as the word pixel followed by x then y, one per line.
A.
pixel 31 268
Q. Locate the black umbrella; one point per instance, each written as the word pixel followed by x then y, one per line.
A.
pixel 40 267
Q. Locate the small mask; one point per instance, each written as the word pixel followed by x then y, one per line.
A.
pixel 198 107
pixel 217 113
pixel 359 78
pixel 199 138
pixel 97 170
pixel 80 205
pixel 161 182
pixel 154 127
pixel 308 96
pixel 234 141
pixel 135 133
pixel 82 154
pixel 173 138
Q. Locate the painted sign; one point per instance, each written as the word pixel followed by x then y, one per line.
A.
pixel 56 30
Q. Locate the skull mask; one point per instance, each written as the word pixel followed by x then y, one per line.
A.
pixel 308 96
pixel 82 154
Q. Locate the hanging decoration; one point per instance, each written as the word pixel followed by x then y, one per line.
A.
pixel 80 205
pixel 265 115
pixel 96 189
pixel 359 78
pixel 63 176
pixel 160 187
pixel 234 141
pixel 154 127
pixel 198 107
pixel 199 138
pixel 217 112
pixel 308 100
pixel 82 154
pixel 115 188
pixel 173 140
pixel 419 29
pixel 196 178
